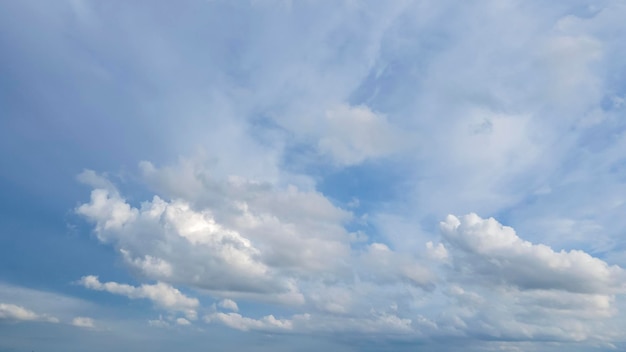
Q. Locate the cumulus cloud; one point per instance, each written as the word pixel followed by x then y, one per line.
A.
pixel 257 242
pixel 229 304
pixel 239 322
pixel 486 249
pixel 162 294
pixel 262 243
pixel 510 110
pixel 84 322
pixel 234 237
pixel 497 130
pixel 18 313
pixel 503 286
pixel 381 264
pixel 192 239
pixel 149 265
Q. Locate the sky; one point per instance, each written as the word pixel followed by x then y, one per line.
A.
pixel 302 175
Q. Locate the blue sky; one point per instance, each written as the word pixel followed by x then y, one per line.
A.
pixel 299 175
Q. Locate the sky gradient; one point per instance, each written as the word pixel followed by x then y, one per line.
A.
pixel 307 175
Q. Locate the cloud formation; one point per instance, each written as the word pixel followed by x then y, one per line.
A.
pixel 18 313
pixel 479 278
pixel 320 150
pixel 486 249
pixel 84 322
pixel 162 294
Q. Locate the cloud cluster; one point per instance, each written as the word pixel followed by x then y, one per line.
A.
pixel 162 294
pixel 19 313
pixel 507 125
pixel 486 249
pixel 503 286
pixel 479 278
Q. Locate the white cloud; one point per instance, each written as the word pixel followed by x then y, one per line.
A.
pixel 159 323
pixel 182 321
pixel 239 322
pixel 84 322
pixel 162 294
pixel 19 313
pixel 478 279
pixel 113 212
pixel 192 239
pixel 229 304
pixel 46 305
pixel 508 288
pixel 437 252
pixel 491 130
pixel 149 265
pixel 354 134
pixel 487 250
pixel 233 235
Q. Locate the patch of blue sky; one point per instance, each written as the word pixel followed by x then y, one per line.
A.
pixel 369 187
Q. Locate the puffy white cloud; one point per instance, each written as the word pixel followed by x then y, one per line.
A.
pixel 149 265
pixel 502 286
pixel 162 294
pixel 529 118
pixel 487 250
pixel 261 243
pixel 15 312
pixel 229 304
pixel 234 236
pixel 437 252
pixel 169 239
pixel 265 213
pixel 241 239
pixel 84 322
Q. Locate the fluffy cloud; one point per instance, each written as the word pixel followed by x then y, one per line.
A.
pixel 19 313
pixel 508 288
pixel 227 239
pixel 239 322
pixel 161 294
pixel 84 322
pixel 507 129
pixel 229 304
pixel 254 241
pixel 488 250
pixel 233 235
pixel 169 239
